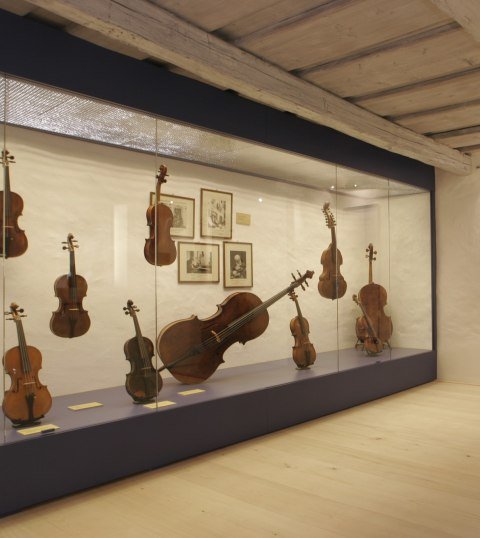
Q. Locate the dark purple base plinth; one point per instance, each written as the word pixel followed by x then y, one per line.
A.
pixel 94 446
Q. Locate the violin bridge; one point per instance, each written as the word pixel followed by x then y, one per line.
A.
pixel 217 338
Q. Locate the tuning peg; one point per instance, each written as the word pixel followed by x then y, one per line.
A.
pixel 294 277
pixel 125 308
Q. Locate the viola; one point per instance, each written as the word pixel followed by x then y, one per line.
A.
pixel 192 349
pixel 27 400
pixel 15 241
pixel 303 352
pixel 331 283
pixel 159 248
pixel 143 382
pixel 70 319
pixel 374 328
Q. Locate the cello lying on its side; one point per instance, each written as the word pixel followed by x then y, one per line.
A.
pixel 192 349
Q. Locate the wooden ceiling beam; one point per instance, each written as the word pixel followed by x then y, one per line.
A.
pixel 465 12
pixel 166 37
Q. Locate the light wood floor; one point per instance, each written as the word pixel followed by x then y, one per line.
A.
pixel 404 466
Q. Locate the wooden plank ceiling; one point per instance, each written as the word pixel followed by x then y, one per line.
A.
pixel 409 68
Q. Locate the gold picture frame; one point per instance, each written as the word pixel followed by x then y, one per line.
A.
pixel 237 265
pixel 198 262
pixel 216 214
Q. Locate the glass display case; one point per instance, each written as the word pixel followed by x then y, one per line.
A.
pixel 245 223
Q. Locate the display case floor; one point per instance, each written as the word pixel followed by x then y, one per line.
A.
pixel 117 405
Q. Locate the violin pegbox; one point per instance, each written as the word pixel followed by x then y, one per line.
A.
pixel 70 243
pixel 16 312
pixel 329 218
pixel 130 309
pixel 370 253
pixel 162 174
pixel 7 159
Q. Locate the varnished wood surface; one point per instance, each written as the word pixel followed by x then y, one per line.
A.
pixel 404 466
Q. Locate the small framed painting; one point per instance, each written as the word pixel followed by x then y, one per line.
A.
pixel 183 211
pixel 216 214
pixel 237 265
pixel 198 262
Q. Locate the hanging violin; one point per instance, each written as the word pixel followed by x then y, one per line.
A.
pixel 303 352
pixel 374 329
pixel 15 241
pixel 192 349
pixel 27 400
pixel 331 283
pixel 143 382
pixel 159 248
pixel 70 319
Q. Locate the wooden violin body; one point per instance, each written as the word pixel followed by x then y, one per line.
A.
pixel 143 382
pixel 373 329
pixel 303 352
pixel 159 247
pixel 70 319
pixel 331 283
pixel 192 349
pixel 16 242
pixel 27 400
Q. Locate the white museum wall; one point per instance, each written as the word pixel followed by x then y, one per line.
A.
pixel 458 285
pixel 101 193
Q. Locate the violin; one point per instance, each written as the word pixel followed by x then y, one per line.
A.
pixel 27 400
pixel 143 383
pixel 70 319
pixel 374 329
pixel 192 349
pixel 159 248
pixel 15 241
pixel 303 352
pixel 331 283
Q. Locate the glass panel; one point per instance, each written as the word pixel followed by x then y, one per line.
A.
pixel 243 218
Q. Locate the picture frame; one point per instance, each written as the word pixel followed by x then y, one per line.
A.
pixel 198 262
pixel 183 211
pixel 237 265
pixel 216 214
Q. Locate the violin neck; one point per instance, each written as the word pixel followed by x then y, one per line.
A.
pixel 73 272
pixel 334 246
pixel 370 273
pixel 157 191
pixel 367 318
pixel 138 334
pixel 299 315
pixel 7 190
pixel 22 344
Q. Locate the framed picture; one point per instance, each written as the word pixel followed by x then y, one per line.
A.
pixel 183 211
pixel 216 214
pixel 198 262
pixel 237 265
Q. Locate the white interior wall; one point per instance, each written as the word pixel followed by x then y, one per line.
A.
pixel 458 285
pixel 100 194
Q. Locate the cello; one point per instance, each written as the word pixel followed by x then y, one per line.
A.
pixel 374 329
pixel 331 283
pixel 159 248
pixel 192 349
pixel 13 240
pixel 70 319
pixel 27 400
pixel 303 352
pixel 143 383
